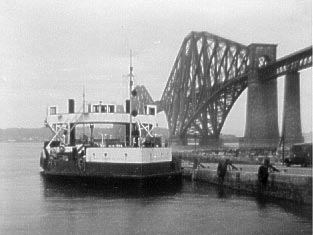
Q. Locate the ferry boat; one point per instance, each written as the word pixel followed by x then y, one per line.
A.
pixel 137 153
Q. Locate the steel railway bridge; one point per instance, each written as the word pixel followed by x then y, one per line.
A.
pixel 211 72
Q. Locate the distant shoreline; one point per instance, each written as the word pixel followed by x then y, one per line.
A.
pixel 19 142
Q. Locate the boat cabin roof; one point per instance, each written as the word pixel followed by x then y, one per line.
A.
pixel 98 115
pixel 99 118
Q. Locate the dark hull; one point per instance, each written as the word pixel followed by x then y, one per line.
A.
pixel 110 187
pixel 160 170
pixel 172 180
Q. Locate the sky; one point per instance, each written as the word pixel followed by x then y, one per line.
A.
pixel 51 50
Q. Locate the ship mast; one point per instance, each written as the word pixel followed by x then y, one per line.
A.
pixel 130 98
pixel 84 102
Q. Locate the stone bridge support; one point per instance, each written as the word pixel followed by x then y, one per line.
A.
pixel 291 113
pixel 261 129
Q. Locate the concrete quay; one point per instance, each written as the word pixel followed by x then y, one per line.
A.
pixel 292 187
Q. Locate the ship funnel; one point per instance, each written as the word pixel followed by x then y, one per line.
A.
pixel 71 106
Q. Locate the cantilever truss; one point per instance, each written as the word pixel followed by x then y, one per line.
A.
pixel 208 76
pixel 294 62
pixel 141 99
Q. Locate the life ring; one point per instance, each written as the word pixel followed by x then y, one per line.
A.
pixel 81 162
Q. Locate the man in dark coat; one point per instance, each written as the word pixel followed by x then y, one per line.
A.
pixel 222 169
pixel 264 170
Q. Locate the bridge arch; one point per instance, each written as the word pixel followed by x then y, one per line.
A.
pixel 209 74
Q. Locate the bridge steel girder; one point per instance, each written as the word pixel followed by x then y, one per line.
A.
pixel 208 76
pixel 227 94
pixel 289 64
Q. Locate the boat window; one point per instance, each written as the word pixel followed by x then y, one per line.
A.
pixel 152 111
pixel 53 110
pixel 96 108
pixel 127 107
pixel 103 108
pixel 111 108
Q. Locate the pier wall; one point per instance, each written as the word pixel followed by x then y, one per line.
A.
pixel 296 188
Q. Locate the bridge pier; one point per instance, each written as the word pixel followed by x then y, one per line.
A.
pixel 206 81
pixel 261 129
pixel 291 113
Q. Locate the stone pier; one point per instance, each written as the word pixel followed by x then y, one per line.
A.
pixel 261 129
pixel 291 114
pixel 296 188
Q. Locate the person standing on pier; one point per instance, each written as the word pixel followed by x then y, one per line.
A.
pixel 264 170
pixel 222 169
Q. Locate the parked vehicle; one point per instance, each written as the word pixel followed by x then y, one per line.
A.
pixel 300 154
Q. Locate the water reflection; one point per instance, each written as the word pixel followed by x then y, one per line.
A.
pixel 77 188
pixel 82 188
pixel 300 210
pixel 221 191
pixel 31 204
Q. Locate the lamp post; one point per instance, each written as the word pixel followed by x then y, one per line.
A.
pixel 283 142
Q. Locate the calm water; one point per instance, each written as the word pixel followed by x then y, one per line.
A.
pixel 30 205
